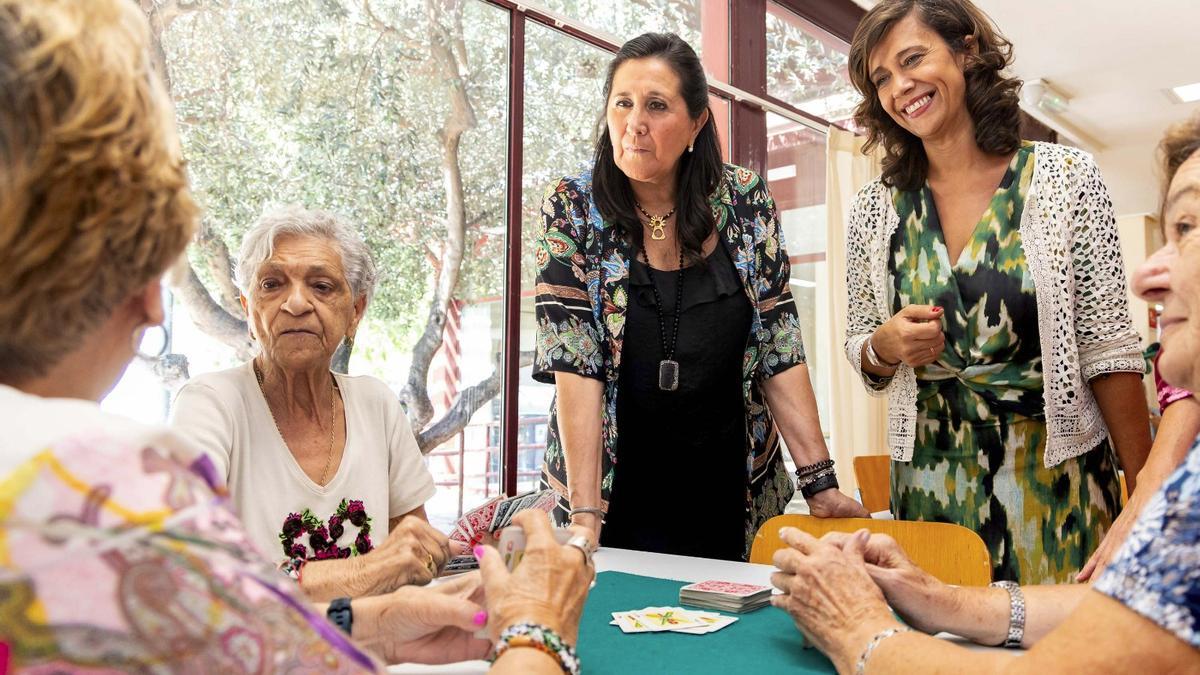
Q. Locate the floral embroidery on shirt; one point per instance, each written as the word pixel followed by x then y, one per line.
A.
pixel 323 537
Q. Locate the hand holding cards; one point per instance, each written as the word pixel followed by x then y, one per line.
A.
pixel 548 582
pixel 489 518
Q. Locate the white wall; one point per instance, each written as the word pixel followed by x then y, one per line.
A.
pixel 1132 177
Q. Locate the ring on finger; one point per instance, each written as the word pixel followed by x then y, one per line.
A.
pixel 429 564
pixel 584 545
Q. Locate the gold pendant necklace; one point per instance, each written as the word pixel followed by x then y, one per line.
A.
pixel 332 416
pixel 657 223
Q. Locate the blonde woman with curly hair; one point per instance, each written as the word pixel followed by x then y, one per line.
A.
pixel 117 549
pixel 987 299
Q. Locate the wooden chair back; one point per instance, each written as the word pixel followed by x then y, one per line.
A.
pixel 952 553
pixel 874 474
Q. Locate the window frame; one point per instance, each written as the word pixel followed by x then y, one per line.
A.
pixel 743 89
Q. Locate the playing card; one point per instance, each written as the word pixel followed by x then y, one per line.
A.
pixel 463 563
pixel 457 534
pixel 500 519
pixel 479 519
pixel 512 544
pixel 728 588
pixel 658 619
pixel 713 624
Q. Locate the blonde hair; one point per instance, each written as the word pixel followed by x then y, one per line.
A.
pixel 1178 144
pixel 94 201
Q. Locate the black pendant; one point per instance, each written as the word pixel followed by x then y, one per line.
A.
pixel 668 375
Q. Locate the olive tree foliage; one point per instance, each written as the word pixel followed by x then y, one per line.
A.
pixel 389 112
pixel 808 72
pixel 392 113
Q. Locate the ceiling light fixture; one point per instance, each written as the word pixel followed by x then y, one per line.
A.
pixel 1185 93
pixel 1039 93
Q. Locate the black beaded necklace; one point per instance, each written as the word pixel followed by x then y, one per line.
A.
pixel 668 368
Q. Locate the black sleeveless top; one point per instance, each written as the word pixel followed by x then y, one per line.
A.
pixel 681 485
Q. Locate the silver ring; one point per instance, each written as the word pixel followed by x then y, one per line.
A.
pixel 584 545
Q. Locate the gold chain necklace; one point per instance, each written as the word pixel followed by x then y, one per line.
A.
pixel 657 223
pixel 332 416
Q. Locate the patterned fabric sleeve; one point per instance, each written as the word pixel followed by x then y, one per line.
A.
pixel 1104 330
pixel 568 335
pixel 862 311
pixel 783 344
pixel 1157 571
pixel 120 557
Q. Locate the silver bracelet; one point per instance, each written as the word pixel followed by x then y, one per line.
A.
pixel 1016 615
pixel 804 481
pixel 594 510
pixel 861 667
pixel 873 356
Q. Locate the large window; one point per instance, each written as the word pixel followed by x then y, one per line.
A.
pixel 806 66
pixel 393 113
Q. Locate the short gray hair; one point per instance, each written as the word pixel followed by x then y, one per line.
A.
pixel 259 243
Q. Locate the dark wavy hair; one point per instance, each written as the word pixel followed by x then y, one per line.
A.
pixel 699 171
pixel 992 97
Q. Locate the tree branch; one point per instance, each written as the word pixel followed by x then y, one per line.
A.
pixel 415 395
pixel 460 414
pixel 219 263
pixel 208 315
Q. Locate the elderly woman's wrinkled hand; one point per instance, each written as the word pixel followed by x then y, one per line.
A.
pixel 548 588
pixel 426 625
pixel 414 553
pixel 829 594
pixel 924 602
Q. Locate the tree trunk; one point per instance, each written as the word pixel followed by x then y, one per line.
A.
pixel 415 395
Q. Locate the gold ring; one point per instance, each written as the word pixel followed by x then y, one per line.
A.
pixel 429 563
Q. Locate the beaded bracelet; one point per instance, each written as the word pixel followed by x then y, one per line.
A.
pixel 540 638
pixel 861 667
pixel 814 467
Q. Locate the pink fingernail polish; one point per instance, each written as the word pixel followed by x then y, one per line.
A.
pixel 480 618
pixel 478 552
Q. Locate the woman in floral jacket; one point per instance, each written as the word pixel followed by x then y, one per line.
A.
pixel 687 340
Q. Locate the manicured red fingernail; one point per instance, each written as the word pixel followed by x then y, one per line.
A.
pixel 480 618
pixel 478 552
pixel 937 310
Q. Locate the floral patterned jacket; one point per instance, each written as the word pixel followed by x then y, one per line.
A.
pixel 582 294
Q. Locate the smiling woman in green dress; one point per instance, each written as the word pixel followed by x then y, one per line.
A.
pixel 1002 340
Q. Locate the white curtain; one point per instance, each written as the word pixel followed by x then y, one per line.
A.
pixel 858 424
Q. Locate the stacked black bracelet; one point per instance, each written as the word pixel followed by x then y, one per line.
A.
pixel 817 477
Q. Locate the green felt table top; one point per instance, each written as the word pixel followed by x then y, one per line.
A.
pixel 762 641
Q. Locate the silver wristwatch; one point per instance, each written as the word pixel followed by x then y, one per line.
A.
pixel 1016 615
pixel 873 356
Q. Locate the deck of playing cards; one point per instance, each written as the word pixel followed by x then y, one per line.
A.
pixel 672 619
pixel 496 513
pixel 725 595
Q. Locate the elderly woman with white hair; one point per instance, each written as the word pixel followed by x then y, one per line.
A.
pixel 323 468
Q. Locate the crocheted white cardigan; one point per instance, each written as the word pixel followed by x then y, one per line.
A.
pixel 1074 255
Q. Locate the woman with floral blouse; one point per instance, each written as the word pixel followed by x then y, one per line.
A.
pixel 667 326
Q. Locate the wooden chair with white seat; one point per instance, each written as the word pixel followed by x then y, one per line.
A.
pixel 952 553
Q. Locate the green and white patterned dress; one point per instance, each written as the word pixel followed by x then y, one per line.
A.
pixel 981 432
